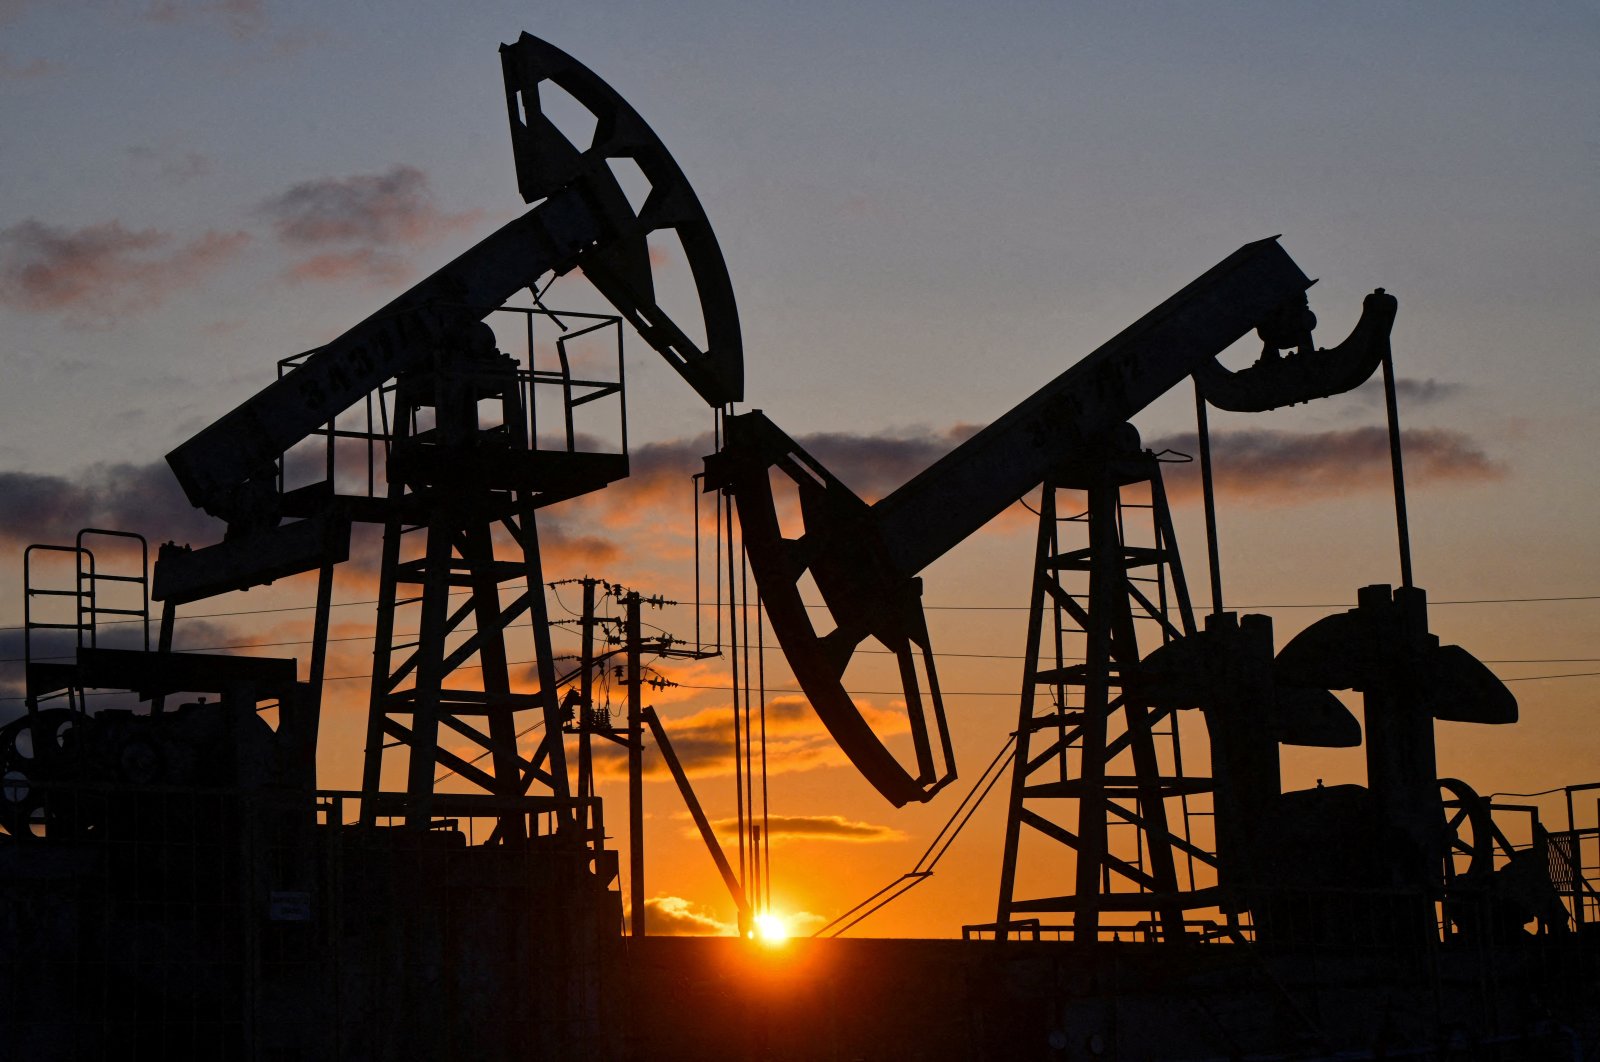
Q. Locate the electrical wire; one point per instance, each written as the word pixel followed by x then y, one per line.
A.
pixel 870 693
pixel 930 608
pixel 760 649
pixel 923 868
pixel 1540 793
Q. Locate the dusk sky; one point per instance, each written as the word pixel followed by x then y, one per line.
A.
pixel 928 211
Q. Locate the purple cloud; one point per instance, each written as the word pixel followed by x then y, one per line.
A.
pixel 99 271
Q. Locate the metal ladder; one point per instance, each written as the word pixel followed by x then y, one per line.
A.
pixel 87 611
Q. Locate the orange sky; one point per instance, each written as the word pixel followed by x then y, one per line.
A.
pixel 925 219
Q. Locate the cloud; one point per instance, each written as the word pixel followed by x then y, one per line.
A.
pixel 673 916
pixel 366 217
pixel 375 209
pixel 875 465
pixel 703 740
pixel 12 70
pixel 647 519
pixel 130 497
pixel 243 19
pixel 1262 466
pixel 365 264
pixel 1284 467
pixel 560 548
pixel 872 465
pixel 658 478
pixel 100 271
pixel 1413 391
pixel 246 21
pixel 804 923
pixel 170 166
pixel 816 828
pixel 13 9
pixel 146 498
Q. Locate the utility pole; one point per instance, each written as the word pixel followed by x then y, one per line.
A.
pixel 585 711
pixel 632 736
pixel 635 768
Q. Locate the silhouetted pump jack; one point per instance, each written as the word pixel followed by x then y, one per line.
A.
pixel 1091 747
pixel 864 559
pixel 427 362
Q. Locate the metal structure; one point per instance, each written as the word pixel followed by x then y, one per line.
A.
pixel 864 559
pixel 1092 761
pixel 233 909
pixel 583 718
pixel 456 442
pixel 1086 761
pixel 415 421
pixel 455 485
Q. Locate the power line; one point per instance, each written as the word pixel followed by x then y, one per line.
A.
pixel 767 649
pixel 1013 693
pixel 775 689
pixel 240 612
pixel 930 608
pixel 1536 678
pixel 1298 604
pixel 362 675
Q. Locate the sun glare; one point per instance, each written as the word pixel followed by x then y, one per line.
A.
pixel 771 928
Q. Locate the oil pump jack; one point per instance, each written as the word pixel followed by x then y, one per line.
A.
pixel 1089 756
pixel 465 471
pixel 452 465
pixel 195 846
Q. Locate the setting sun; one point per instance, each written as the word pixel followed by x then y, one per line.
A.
pixel 771 928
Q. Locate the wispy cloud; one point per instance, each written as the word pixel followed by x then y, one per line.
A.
pixel 365 217
pixel 563 548
pixel 364 263
pixel 872 465
pixel 146 498
pixel 674 916
pixel 98 272
pixel 703 740
pixel 1413 391
pixel 27 69
pixel 176 167
pixel 1273 466
pixel 1263 466
pixel 393 207
pixel 247 22
pixel 12 9
pixel 243 19
pixel 129 497
pixel 875 465
pixel 1287 468
pixel 817 828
